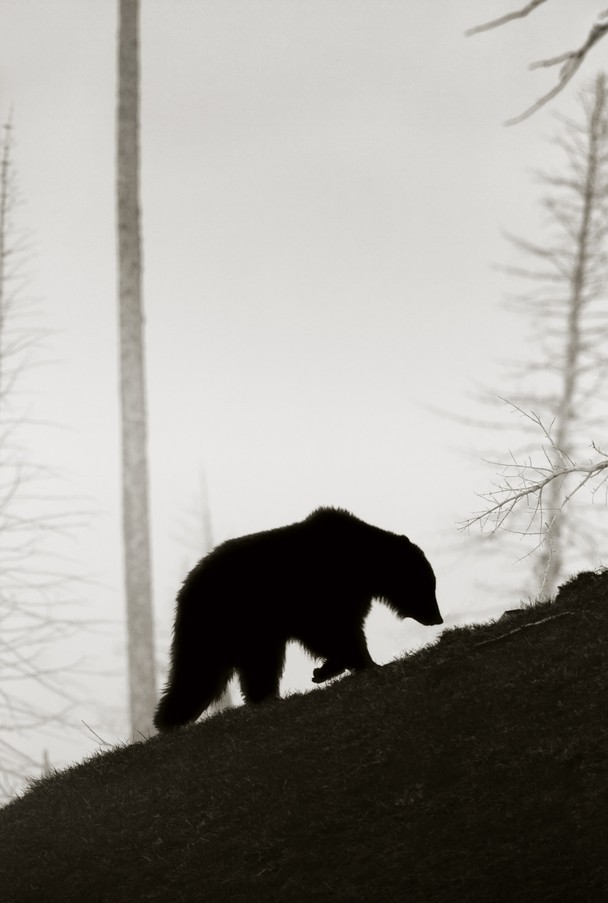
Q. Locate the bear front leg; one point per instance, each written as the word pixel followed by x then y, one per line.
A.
pixel 328 669
pixel 352 655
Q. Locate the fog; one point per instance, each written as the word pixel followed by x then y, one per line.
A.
pixel 325 189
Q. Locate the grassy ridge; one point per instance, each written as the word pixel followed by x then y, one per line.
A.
pixel 475 769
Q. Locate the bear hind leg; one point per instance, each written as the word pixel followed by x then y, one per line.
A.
pixel 260 674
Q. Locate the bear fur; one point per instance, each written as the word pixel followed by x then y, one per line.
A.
pixel 313 582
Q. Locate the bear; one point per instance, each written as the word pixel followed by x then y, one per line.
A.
pixel 313 582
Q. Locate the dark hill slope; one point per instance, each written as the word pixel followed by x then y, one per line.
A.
pixel 474 770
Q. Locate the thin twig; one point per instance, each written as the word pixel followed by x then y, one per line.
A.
pixel 516 14
pixel 504 636
pixel 570 63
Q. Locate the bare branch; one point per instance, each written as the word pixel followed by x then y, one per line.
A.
pixel 570 63
pixel 509 17
pixel 522 481
pixel 503 507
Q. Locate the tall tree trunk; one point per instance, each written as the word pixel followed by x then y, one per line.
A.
pixel 4 205
pixel 142 682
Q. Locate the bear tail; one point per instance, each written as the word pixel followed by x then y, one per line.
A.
pixel 198 674
pixel 183 701
pixel 194 683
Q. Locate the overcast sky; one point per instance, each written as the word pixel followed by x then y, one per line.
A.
pixel 324 187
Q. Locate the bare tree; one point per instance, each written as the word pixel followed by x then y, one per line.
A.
pixel 568 62
pixel 564 387
pixel 138 584
pixel 35 591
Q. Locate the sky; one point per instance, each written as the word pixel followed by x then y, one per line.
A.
pixel 325 190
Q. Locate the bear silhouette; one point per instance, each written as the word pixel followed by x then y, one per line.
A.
pixel 312 582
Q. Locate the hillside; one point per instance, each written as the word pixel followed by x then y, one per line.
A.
pixel 473 770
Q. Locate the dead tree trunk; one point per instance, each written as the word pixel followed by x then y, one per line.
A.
pixel 591 194
pixel 141 662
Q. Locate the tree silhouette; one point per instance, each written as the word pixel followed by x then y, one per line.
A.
pixel 35 587
pixel 564 387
